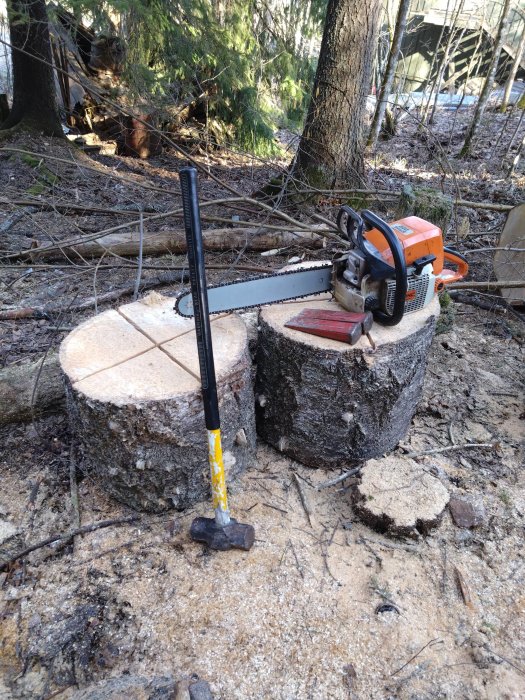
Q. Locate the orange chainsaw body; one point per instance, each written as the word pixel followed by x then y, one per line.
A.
pixel 419 238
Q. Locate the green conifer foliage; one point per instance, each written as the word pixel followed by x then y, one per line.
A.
pixel 245 64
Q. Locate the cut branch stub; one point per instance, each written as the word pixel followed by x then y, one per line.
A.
pixel 135 404
pixel 327 404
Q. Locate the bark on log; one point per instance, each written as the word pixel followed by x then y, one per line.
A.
pixel 327 404
pixel 163 242
pixel 17 386
pixel 135 402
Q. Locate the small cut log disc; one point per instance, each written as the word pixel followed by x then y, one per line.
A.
pixel 400 497
pixel 135 404
pixel 327 404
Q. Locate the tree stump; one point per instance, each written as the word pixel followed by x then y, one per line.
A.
pixel 326 403
pixel 135 404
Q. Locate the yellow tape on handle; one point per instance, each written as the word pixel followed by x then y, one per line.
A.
pixel 218 480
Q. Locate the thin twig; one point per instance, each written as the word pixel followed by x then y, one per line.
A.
pixel 299 567
pixel 464 589
pixel 413 549
pixel 338 479
pixel 73 486
pixel 139 265
pixel 437 450
pixel 67 537
pixel 304 499
pixel 428 644
pixel 503 658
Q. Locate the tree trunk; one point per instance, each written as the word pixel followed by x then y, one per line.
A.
pixel 512 74
pixel 447 59
pixel 388 78
pixel 489 80
pixel 431 83
pixel 331 148
pixel 34 95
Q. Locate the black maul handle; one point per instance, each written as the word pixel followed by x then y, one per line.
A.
pixel 199 293
pixel 373 221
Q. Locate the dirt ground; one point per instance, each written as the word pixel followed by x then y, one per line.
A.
pixel 299 616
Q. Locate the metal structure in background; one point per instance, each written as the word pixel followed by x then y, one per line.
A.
pixel 425 22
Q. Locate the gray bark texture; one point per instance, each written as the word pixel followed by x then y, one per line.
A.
pixel 489 80
pixel 512 75
pixel 30 389
pixel 153 455
pixel 329 408
pixel 331 148
pixel 390 72
pixel 34 95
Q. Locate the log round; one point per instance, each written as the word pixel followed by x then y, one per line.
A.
pixel 135 403
pixel 327 404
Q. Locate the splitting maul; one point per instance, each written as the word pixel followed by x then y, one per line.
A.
pixel 222 532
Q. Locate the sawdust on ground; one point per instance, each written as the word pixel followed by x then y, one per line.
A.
pixel 297 617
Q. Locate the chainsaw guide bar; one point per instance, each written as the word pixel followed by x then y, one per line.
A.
pixel 258 291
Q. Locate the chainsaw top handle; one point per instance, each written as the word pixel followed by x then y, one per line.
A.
pixel 373 221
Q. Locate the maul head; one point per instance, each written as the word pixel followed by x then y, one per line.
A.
pixel 232 536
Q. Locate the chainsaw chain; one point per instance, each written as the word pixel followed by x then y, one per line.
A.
pixel 182 294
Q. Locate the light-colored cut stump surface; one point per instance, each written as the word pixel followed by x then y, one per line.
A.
pixel 400 497
pixel 328 404
pixel 135 405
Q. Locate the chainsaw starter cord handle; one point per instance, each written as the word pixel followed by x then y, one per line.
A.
pixel 199 293
pixel 373 221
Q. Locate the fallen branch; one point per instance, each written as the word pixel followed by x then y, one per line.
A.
pixel 15 218
pixel 491 250
pixel 298 226
pixel 174 242
pixel 506 284
pixel 68 207
pixel 491 206
pixel 170 277
pixel 67 537
pixel 19 400
pixel 20 313
pixel 496 304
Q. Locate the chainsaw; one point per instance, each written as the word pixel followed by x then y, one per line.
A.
pixel 388 269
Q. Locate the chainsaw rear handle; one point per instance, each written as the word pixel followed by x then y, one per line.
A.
pixel 398 256
pixel 447 276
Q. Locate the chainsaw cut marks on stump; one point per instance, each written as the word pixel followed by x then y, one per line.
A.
pixel 400 497
pixel 134 397
pixel 328 404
